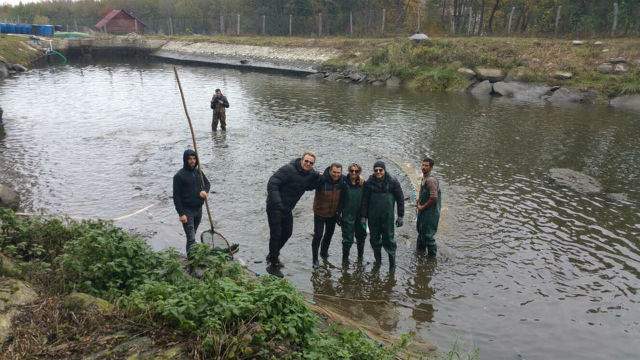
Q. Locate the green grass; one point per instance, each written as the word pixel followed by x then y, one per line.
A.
pixel 15 50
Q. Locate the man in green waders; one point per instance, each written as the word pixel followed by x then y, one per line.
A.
pixel 381 192
pixel 428 206
pixel 350 220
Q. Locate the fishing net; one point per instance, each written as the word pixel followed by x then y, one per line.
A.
pixel 217 241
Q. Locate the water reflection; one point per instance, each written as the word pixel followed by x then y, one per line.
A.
pixel 525 269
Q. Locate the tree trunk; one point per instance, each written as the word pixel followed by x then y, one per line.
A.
pixel 481 24
pixel 493 12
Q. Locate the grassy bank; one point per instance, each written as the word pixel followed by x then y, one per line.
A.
pixel 225 314
pixel 16 50
pixel 433 65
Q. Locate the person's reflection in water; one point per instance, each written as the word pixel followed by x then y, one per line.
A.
pixel 220 139
pixel 419 290
pixel 380 289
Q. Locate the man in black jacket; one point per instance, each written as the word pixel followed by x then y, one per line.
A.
pixel 190 189
pixel 219 104
pixel 381 192
pixel 284 189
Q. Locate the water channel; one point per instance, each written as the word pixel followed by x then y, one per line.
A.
pixel 526 270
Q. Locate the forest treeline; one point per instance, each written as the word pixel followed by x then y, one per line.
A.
pixel 371 18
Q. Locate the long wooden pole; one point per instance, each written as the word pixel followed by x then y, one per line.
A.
pixel 195 148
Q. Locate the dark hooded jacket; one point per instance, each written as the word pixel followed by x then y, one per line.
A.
pixel 388 185
pixel 328 198
pixel 187 186
pixel 216 106
pixel 287 184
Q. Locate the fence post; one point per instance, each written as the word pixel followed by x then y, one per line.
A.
pixel 170 26
pixel 615 18
pixel 264 24
pixel 238 25
pixel 319 24
pixel 222 24
pixel 76 24
pixel 290 21
pixel 384 16
pixel 513 8
pixel 351 23
pixel 557 20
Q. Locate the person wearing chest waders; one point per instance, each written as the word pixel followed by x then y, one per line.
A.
pixel 428 206
pixel 219 104
pixel 326 204
pixel 189 195
pixel 284 189
pixel 350 219
pixel 381 193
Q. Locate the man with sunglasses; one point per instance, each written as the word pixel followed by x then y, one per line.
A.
pixel 381 192
pixel 284 189
pixel 350 214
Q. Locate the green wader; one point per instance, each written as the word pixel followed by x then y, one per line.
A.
pixel 427 224
pixel 351 224
pixel 381 222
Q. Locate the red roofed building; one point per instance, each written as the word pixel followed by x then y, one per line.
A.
pixel 120 22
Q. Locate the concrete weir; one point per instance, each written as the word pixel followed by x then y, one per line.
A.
pixel 302 61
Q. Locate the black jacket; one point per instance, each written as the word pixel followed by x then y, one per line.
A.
pixel 215 104
pixel 388 185
pixel 286 186
pixel 187 186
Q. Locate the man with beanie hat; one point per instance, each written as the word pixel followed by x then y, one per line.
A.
pixel 381 192
pixel 219 104
pixel 190 189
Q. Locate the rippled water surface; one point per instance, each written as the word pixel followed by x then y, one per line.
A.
pixel 525 270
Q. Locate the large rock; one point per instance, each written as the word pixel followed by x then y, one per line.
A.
pixel 9 198
pixel 482 89
pixel 577 42
pixel 418 38
pixel 13 293
pixel 605 68
pixel 575 180
pixel 620 68
pixel 466 73
pixel 521 91
pixel 565 96
pixel 393 82
pixel 18 68
pixel 493 75
pixel 357 77
pixel 627 102
pixel 562 75
pixel 82 301
pixel 4 70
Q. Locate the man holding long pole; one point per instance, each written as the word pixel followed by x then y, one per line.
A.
pixel 189 194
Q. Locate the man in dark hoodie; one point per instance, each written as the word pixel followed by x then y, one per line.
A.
pixel 190 189
pixel 381 192
pixel 284 189
pixel 219 104
pixel 326 206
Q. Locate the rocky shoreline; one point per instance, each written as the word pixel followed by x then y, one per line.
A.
pixel 490 82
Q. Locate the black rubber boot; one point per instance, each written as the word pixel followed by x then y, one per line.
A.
pixel 392 261
pixel 314 253
pixel 432 251
pixel 345 254
pixel 360 246
pixel 377 254
pixel 324 249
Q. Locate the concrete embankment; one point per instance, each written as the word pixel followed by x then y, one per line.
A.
pixel 303 60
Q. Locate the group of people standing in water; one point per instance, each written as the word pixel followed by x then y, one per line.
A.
pixel 351 203
pixel 344 200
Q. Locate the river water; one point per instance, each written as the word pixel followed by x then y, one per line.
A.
pixel 526 270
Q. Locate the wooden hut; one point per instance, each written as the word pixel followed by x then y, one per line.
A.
pixel 120 22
